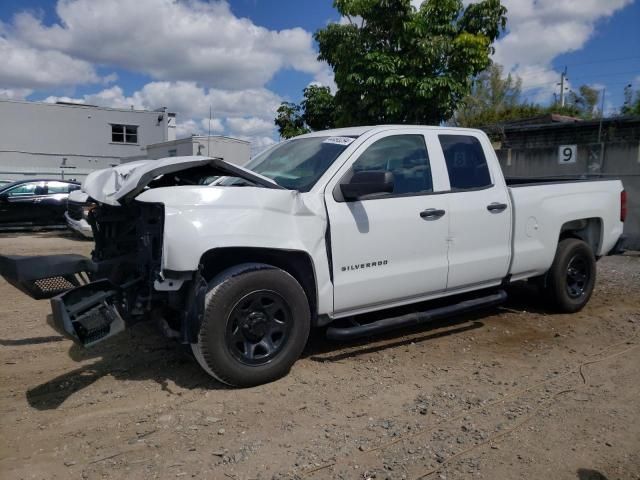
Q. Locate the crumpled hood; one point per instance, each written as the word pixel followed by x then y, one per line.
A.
pixel 116 185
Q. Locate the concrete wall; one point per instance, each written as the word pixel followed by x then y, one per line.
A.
pixel 35 138
pixel 617 158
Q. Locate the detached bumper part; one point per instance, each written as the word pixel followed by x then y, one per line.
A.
pixel 83 311
pixel 45 276
pixel 87 314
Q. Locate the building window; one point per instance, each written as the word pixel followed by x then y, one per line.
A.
pixel 124 133
pixel 173 152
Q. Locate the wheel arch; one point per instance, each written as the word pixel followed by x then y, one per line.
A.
pixel 297 263
pixel 589 230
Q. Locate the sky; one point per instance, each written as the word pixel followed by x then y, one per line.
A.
pixel 243 57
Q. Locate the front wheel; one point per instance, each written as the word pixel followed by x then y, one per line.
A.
pixel 255 325
pixel 570 280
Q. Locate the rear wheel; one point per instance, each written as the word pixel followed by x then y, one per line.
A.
pixel 255 325
pixel 570 280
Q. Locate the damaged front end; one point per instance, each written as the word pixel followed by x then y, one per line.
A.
pixel 93 299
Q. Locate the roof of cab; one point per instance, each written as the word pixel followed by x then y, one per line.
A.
pixel 357 131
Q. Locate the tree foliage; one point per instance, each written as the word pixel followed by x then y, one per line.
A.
pixel 495 99
pixel 631 102
pixel 316 112
pixel 289 120
pixel 584 101
pixel 395 64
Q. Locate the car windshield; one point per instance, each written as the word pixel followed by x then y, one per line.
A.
pixel 296 164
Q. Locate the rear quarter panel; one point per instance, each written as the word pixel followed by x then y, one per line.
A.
pixel 542 210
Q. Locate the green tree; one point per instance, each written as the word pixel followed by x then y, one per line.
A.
pixel 396 64
pixel 584 101
pixel 631 102
pixel 316 112
pixel 494 99
pixel 289 120
pixel 319 107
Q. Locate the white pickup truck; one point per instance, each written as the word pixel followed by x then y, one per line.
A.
pixel 314 232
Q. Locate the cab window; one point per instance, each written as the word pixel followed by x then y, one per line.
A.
pixel 403 155
pixel 466 163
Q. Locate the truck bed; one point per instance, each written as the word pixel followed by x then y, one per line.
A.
pixel 544 207
pixel 531 181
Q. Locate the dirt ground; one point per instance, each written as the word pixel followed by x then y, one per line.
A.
pixel 515 392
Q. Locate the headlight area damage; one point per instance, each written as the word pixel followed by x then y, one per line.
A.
pixel 123 282
pixel 93 299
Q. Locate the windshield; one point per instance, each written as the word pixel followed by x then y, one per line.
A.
pixel 297 164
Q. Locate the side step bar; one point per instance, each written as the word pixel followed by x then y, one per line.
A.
pixel 416 318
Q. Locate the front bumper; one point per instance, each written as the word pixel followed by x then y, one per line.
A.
pixel 79 226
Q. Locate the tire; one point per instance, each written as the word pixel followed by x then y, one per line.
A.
pixel 255 325
pixel 572 276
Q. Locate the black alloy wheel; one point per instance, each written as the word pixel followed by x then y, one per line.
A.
pixel 258 327
pixel 578 276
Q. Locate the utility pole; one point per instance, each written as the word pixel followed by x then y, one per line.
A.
pixel 563 78
pixel 604 91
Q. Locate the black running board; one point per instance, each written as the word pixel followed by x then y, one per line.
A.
pixel 416 318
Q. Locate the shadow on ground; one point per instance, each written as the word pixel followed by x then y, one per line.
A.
pixel 588 474
pixel 142 353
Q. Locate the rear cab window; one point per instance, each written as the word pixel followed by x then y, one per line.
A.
pixel 466 162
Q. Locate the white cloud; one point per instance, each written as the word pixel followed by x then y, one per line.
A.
pixel 171 40
pixel 15 93
pixel 246 114
pixel 23 66
pixel 251 126
pixel 541 30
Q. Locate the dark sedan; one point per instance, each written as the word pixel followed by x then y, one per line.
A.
pixel 34 203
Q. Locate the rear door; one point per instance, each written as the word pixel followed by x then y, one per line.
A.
pixel 383 250
pixel 480 212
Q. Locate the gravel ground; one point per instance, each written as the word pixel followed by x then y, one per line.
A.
pixel 515 392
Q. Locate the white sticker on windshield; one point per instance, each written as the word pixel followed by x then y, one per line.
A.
pixel 339 140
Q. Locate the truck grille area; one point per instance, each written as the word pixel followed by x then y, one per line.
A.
pixel 128 240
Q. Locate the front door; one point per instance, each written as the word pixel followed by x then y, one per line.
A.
pixel 391 248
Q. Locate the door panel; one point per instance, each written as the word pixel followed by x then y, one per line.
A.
pixel 480 248
pixel 383 249
pixel 480 214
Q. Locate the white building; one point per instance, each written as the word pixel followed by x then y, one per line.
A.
pixel 232 150
pixel 62 140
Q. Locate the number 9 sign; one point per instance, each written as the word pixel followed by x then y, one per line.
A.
pixel 567 154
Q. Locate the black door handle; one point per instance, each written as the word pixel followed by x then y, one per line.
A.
pixel 496 207
pixel 432 213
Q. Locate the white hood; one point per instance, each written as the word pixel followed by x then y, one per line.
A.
pixel 115 185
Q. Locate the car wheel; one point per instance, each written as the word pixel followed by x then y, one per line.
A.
pixel 255 325
pixel 572 276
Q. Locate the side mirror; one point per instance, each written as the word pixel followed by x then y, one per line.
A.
pixel 367 182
